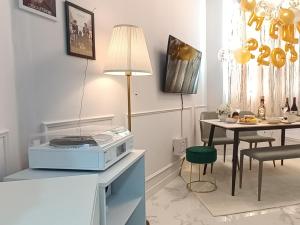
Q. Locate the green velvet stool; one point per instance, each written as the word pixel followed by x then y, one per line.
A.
pixel 201 155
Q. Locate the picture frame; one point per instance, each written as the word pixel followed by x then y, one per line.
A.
pixel 80 29
pixel 44 8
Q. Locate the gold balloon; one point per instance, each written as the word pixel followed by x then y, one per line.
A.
pixel 248 5
pixel 242 55
pixel 291 48
pixel 265 53
pixel 251 45
pixel 257 19
pixel 286 16
pixel 274 28
pixel 278 57
pixel 288 34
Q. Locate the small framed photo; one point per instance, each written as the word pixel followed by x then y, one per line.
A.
pixel 45 8
pixel 80 31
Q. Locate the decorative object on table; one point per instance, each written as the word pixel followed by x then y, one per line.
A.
pixel 80 29
pixel 45 8
pixel 294 108
pixel 235 115
pixel 128 56
pixel 224 112
pixel 286 109
pixel 261 112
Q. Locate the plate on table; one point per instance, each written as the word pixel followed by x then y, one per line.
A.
pixel 286 122
pixel 274 120
pixel 249 121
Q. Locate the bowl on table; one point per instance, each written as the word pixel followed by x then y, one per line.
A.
pixel 231 120
pixel 274 120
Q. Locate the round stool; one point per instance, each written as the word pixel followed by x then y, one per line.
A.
pixel 201 155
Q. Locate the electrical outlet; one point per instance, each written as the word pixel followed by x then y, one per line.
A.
pixel 179 145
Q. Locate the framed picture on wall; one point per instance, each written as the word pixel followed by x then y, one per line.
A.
pixel 80 31
pixel 45 8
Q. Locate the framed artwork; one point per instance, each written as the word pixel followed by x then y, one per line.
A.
pixel 45 8
pixel 80 31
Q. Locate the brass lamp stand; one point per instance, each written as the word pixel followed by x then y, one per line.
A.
pixel 128 75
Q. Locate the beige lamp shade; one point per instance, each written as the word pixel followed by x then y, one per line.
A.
pixel 127 52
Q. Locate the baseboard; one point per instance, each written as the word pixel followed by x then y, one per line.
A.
pixel 159 179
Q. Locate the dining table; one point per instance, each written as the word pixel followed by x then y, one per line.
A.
pixel 240 127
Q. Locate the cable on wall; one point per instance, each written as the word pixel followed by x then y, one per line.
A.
pixel 82 95
pixel 181 116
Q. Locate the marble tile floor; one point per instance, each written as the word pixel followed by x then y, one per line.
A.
pixel 175 205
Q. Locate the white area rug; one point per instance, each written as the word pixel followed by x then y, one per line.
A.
pixel 280 187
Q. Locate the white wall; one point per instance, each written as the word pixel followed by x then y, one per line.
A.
pixel 8 107
pixel 48 82
pixel 213 45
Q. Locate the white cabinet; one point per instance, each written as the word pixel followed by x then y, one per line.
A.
pixel 126 180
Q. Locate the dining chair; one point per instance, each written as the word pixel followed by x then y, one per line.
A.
pixel 252 137
pixel 220 137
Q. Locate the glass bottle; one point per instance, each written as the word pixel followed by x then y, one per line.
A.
pixel 294 108
pixel 287 105
pixel 262 109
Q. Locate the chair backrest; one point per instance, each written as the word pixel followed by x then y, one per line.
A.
pixel 247 133
pixel 205 128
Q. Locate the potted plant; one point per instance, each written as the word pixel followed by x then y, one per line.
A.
pixel 224 111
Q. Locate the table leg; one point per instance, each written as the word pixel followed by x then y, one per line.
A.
pixel 234 160
pixel 211 135
pixel 282 141
pixel 210 142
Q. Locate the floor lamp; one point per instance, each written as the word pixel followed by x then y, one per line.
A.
pixel 128 56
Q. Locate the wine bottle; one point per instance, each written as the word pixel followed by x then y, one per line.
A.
pixel 294 108
pixel 287 105
pixel 262 109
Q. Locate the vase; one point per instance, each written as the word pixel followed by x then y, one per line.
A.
pixel 223 117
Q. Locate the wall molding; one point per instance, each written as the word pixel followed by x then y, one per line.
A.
pixel 4 134
pixel 160 111
pixel 74 122
pixel 162 177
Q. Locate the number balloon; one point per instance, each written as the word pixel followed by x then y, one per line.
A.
pixel 278 57
pixel 265 53
pixel 291 48
pixel 251 45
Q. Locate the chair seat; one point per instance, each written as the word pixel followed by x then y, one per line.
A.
pixel 256 138
pixel 219 140
pixel 201 154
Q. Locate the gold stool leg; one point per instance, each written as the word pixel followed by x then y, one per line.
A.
pixel 191 172
pixel 199 171
pixel 189 185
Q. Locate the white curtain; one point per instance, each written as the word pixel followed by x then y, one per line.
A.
pixel 245 84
